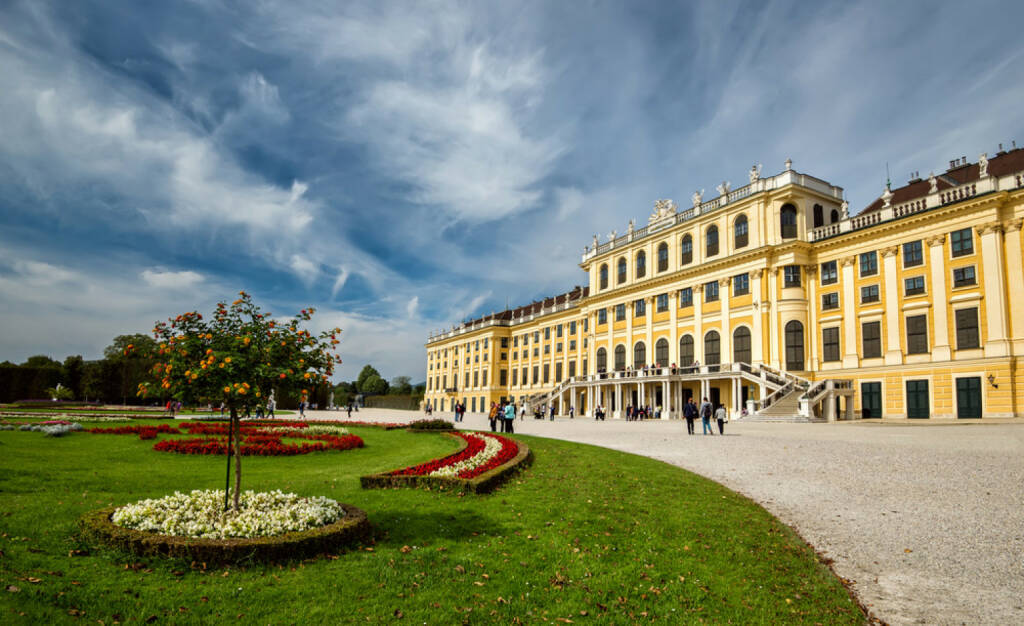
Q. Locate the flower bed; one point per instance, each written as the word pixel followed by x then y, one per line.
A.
pixel 482 463
pixel 72 417
pixel 268 526
pixel 144 432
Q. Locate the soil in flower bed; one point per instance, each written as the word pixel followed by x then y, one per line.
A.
pixel 586 529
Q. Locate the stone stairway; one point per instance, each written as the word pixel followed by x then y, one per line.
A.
pixel 786 409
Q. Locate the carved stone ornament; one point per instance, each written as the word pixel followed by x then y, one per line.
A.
pixel 662 209
pixel 847 261
pixel 612 235
pixel 1012 226
pixel 936 240
pixel 698 197
pixel 595 242
pixel 755 173
pixel 887 197
pixel 810 270
pixel 933 182
pixel 774 271
pixel 789 164
pixel 723 189
pixel 888 252
pixel 630 231
pixel 985 229
pixel 724 282
pixel 983 165
pixel 844 209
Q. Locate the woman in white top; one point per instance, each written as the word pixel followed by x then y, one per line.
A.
pixel 721 417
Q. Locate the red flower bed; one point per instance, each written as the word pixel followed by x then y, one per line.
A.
pixel 260 446
pixel 475 445
pixel 144 432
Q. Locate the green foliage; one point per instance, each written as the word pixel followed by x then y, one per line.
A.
pixel 374 384
pixel 41 360
pixel 129 363
pixel 28 382
pixel 74 370
pixel 62 393
pixel 367 371
pixel 400 386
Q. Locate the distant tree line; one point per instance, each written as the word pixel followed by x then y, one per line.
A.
pixel 371 383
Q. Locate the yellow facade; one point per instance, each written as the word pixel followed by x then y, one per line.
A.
pixel 916 304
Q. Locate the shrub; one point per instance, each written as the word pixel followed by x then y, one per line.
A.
pixel 434 424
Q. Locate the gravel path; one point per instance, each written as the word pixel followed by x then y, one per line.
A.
pixel 926 520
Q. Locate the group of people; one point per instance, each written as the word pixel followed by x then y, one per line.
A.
pixel 504 413
pixel 706 411
pixel 635 413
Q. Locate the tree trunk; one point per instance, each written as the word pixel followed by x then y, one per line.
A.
pixel 236 424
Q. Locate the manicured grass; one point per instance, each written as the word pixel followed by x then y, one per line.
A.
pixel 585 534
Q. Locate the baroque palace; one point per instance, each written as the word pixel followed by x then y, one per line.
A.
pixel 772 300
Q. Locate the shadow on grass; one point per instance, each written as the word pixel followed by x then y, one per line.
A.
pixel 412 527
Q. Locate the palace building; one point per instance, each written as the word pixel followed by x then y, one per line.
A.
pixel 772 300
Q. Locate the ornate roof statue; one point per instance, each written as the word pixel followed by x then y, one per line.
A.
pixel 595 242
pixel 844 209
pixel 612 235
pixel 662 209
pixel 983 165
pixel 789 164
pixel 723 189
pixel 698 197
pixel 755 173
pixel 630 231
pixel 887 197
pixel 933 182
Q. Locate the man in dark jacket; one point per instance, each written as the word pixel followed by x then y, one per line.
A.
pixel 690 413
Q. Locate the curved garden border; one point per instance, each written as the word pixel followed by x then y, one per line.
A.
pixel 352 528
pixel 484 483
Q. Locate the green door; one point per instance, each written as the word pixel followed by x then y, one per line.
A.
pixel 968 398
pixel 917 399
pixel 871 400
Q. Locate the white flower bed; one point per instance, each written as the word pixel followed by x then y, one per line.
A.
pixel 200 514
pixel 491 449
pixel 312 429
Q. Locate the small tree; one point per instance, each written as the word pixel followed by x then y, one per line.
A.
pixel 400 386
pixel 239 358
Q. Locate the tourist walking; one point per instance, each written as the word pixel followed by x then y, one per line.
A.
pixel 690 413
pixel 510 417
pixel 572 412
pixel 492 417
pixel 721 418
pixel 552 418
pixel 705 416
pixel 350 410
pixel 271 405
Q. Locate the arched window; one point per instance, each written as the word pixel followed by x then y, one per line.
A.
pixel 787 221
pixel 686 246
pixel 604 276
pixel 795 346
pixel 622 270
pixel 741 345
pixel 639 355
pixel 740 231
pixel 834 217
pixel 661 353
pixel 711 241
pixel 663 257
pixel 602 360
pixel 641 264
pixel 686 351
pixel 819 216
pixel 620 357
pixel 712 348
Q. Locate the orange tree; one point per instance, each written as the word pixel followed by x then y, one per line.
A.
pixel 240 357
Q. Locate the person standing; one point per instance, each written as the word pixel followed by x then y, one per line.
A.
pixel 572 412
pixel 492 417
pixel 689 412
pixel 271 405
pixel 510 418
pixel 349 410
pixel 721 417
pixel 552 411
pixel 705 416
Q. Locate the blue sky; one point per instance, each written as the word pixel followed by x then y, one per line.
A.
pixel 402 166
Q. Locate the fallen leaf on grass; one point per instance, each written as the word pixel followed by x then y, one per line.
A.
pixel 32 579
pixel 13 589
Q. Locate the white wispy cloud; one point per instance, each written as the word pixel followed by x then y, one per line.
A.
pixel 166 279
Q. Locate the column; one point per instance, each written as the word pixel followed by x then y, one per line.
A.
pixel 629 333
pixel 698 326
pixel 673 332
pixel 773 312
pixel 757 341
pixel 811 272
pixel 893 353
pixel 649 307
pixel 1015 281
pixel 849 347
pixel 590 399
pixel 666 401
pixel 996 342
pixel 725 294
pixel 940 325
pixel 618 400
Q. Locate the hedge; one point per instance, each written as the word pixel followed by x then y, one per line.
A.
pixel 404 403
pixel 484 483
pixel 352 528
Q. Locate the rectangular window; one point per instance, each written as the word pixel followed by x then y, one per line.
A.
pixel 869 294
pixel 572 328
pixel 547 372
pixel 912 254
pixel 558 347
pixel 620 312
pixel 662 302
pixel 740 284
pixel 830 344
pixel 504 356
pixel 547 348
pixel 504 342
pixel 967 329
pixel 964 276
pixel 961 242
pixel 536 374
pixel 917 334
pixel 868 263
pixel 602 316
pixel 585 325
pixel 558 372
pixel 467 380
pixel 791 276
pixel 830 301
pixel 572 345
pixel 515 341
pixel 536 336
pixel 515 354
pixel 558 330
pixel 711 291
pixel 536 352
pixel 871 339
pixel 515 378
pixel 685 297
pixel 829 273
pixel 572 368
pixel 485 344
pixel 639 308
pixel 476 379
pixel 547 333
pixel 525 380
pixel 913 286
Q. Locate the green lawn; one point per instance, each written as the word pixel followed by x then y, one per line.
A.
pixel 586 534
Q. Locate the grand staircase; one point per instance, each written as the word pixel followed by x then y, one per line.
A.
pixel 785 409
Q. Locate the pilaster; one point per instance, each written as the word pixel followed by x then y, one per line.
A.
pixel 1015 282
pixel 811 272
pixel 850 357
pixel 725 295
pixel 996 342
pixel 893 353
pixel 940 325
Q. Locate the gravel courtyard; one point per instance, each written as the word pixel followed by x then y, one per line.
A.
pixel 926 520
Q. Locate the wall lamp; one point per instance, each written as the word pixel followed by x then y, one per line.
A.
pixel 992 380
